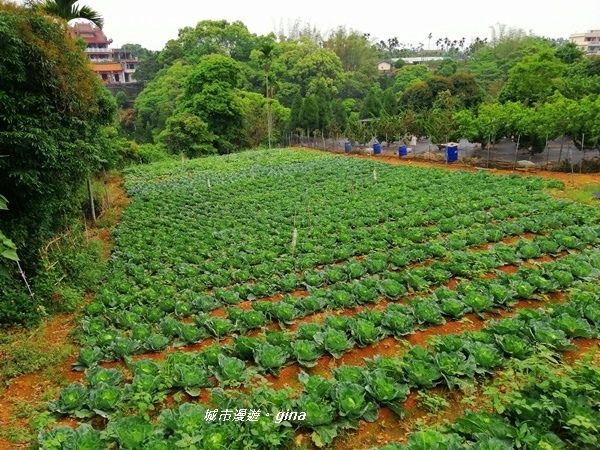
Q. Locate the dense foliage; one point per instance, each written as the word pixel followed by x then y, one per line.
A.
pixel 52 108
pixel 545 88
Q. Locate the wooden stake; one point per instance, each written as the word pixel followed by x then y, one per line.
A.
pixel 572 172
pixel 548 155
pixel 489 147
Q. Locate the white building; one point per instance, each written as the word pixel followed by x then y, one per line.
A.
pixel 384 66
pixel 588 42
pixel 114 66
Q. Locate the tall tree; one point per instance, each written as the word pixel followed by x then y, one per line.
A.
pixel 339 119
pixel 309 119
pixel 418 96
pixel 409 75
pixel 157 102
pixel 211 93
pixel 355 51
pixel 217 36
pixel 295 119
pixel 533 79
pixel 389 102
pixel 266 51
pixel 68 10
pixel 371 107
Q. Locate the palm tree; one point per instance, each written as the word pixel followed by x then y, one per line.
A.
pixel 66 9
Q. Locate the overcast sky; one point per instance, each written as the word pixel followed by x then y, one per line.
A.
pixel 152 23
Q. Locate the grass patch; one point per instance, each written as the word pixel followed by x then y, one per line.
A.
pixel 583 194
pixel 26 420
pixel 29 353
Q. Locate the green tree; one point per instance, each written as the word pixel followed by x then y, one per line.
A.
pixel 255 107
pixel 148 66
pixel 466 89
pixel 531 129
pixel 389 102
pixel 409 75
pixel 439 84
pixel 122 100
pixel 137 50
pixel 418 96
pixel 574 118
pixel 440 123
pixel 68 10
pixel 533 79
pixel 354 85
pixel 189 135
pixel 399 63
pixel 295 118
pixel 581 78
pixel 371 106
pixel 447 68
pixel 486 124
pixel 298 64
pixel 319 89
pixel 8 250
pixel 309 118
pixel 217 36
pixel 354 51
pixel 491 62
pixel 569 53
pixel 339 117
pixel 172 52
pixel 484 65
pixel 211 93
pixel 157 102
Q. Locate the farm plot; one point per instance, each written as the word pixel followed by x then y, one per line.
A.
pixel 279 299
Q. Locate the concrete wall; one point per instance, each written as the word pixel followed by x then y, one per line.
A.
pixel 131 90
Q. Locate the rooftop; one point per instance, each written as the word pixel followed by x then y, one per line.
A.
pixel 107 67
pixel 89 33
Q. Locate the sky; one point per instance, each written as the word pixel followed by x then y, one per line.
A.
pixel 152 23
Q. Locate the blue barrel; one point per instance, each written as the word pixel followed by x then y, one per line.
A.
pixel 347 147
pixel 452 153
pixel 402 151
pixel 376 149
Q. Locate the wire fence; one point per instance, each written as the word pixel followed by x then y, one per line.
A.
pixel 560 155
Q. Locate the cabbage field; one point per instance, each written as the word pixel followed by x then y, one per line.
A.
pixel 284 298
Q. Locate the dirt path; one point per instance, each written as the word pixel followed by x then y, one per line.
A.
pixel 23 398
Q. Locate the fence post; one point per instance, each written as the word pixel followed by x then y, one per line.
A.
pixel 583 150
pixel 516 152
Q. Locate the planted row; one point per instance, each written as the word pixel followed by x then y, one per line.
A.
pixel 343 295
pixel 356 392
pixel 338 334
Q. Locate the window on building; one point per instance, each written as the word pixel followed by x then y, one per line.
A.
pixel 131 66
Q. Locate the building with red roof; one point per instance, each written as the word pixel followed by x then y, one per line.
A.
pixel 114 66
